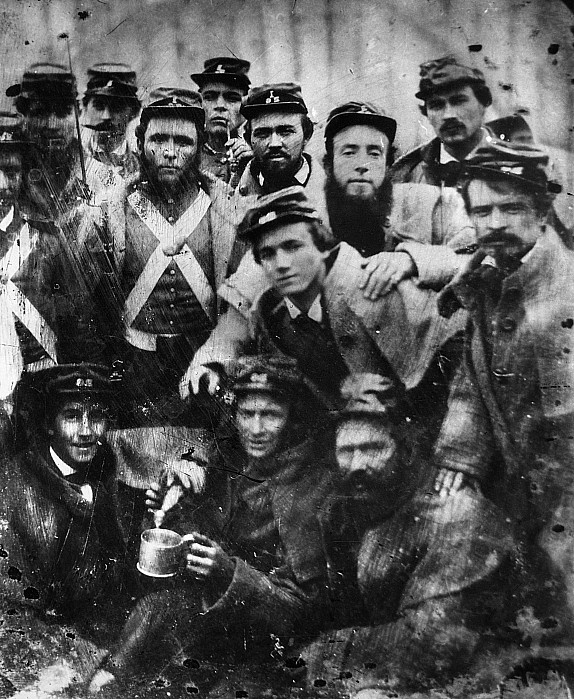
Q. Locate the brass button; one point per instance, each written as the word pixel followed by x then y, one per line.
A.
pixel 171 305
pixel 172 290
pixel 171 219
pixel 172 272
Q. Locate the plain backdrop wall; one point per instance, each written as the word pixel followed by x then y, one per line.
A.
pixel 336 49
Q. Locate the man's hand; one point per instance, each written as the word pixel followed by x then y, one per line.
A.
pixel 382 273
pixel 100 680
pixel 449 482
pixel 179 477
pixel 239 152
pixel 190 382
pixel 207 560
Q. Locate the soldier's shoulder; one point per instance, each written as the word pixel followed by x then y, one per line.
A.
pixel 407 162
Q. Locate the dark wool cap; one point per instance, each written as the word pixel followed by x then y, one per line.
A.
pixel 279 97
pixel 446 72
pixel 226 69
pixel 112 80
pixel 352 113
pixel 369 395
pixel 271 210
pixel 518 162
pixel 46 81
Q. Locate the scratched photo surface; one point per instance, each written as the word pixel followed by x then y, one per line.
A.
pixel 286 349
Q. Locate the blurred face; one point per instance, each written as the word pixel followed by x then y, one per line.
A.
pixel 221 103
pixel 455 115
pixel 506 221
pixel 277 141
pixel 170 147
pixel 359 160
pixel 10 178
pixel 291 260
pixel 261 421
pixel 110 114
pixel 366 453
pixel 78 428
pixel 51 125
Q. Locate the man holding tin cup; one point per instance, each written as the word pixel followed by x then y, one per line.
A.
pixel 261 574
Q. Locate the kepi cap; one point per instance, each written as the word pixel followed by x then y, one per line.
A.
pixel 352 113
pixel 75 380
pixel 11 131
pixel 274 374
pixel 270 210
pixel 445 72
pixel 226 69
pixel 112 80
pixel 175 98
pixel 507 127
pixel 369 395
pixel 46 81
pixel 523 163
pixel 280 97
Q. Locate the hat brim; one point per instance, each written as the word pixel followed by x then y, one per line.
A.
pixel 236 79
pixel 107 92
pixel 251 110
pixel 386 124
pixel 280 220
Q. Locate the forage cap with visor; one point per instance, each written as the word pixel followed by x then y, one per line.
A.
pixel 273 374
pixel 45 81
pixel 277 97
pixel 446 72
pixel 225 69
pixel 352 113
pixel 75 380
pixel 522 163
pixel 112 80
pixel 272 210
pixel 11 132
pixel 370 396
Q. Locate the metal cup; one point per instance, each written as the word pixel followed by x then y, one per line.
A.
pixel 162 553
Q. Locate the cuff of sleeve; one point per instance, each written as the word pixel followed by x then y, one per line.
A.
pixel 436 264
pixel 246 583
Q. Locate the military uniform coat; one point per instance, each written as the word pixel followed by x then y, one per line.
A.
pixel 511 409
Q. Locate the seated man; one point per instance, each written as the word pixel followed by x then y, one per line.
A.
pixel 269 577
pixel 420 589
pixel 59 523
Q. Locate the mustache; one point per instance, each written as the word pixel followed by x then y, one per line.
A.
pixel 102 126
pixel 499 237
pixel 451 123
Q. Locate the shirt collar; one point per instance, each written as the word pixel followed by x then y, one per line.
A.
pixel 315 312
pixel 120 151
pixel 302 174
pixel 7 220
pixel 446 157
pixel 65 470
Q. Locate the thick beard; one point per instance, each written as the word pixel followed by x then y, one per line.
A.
pixel 279 177
pixel 189 178
pixel 360 223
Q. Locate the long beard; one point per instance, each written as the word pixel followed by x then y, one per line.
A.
pixel 359 223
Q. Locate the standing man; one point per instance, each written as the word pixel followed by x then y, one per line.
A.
pixel 38 309
pixel 172 237
pixel 53 188
pixel 455 98
pixel 223 86
pixel 278 129
pixel 110 103
pixel 358 149
pixel 511 409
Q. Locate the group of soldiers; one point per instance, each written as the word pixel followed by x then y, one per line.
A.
pixel 350 381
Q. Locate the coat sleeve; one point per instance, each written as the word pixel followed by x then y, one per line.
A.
pixel 431 225
pixel 466 441
pixel 276 603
